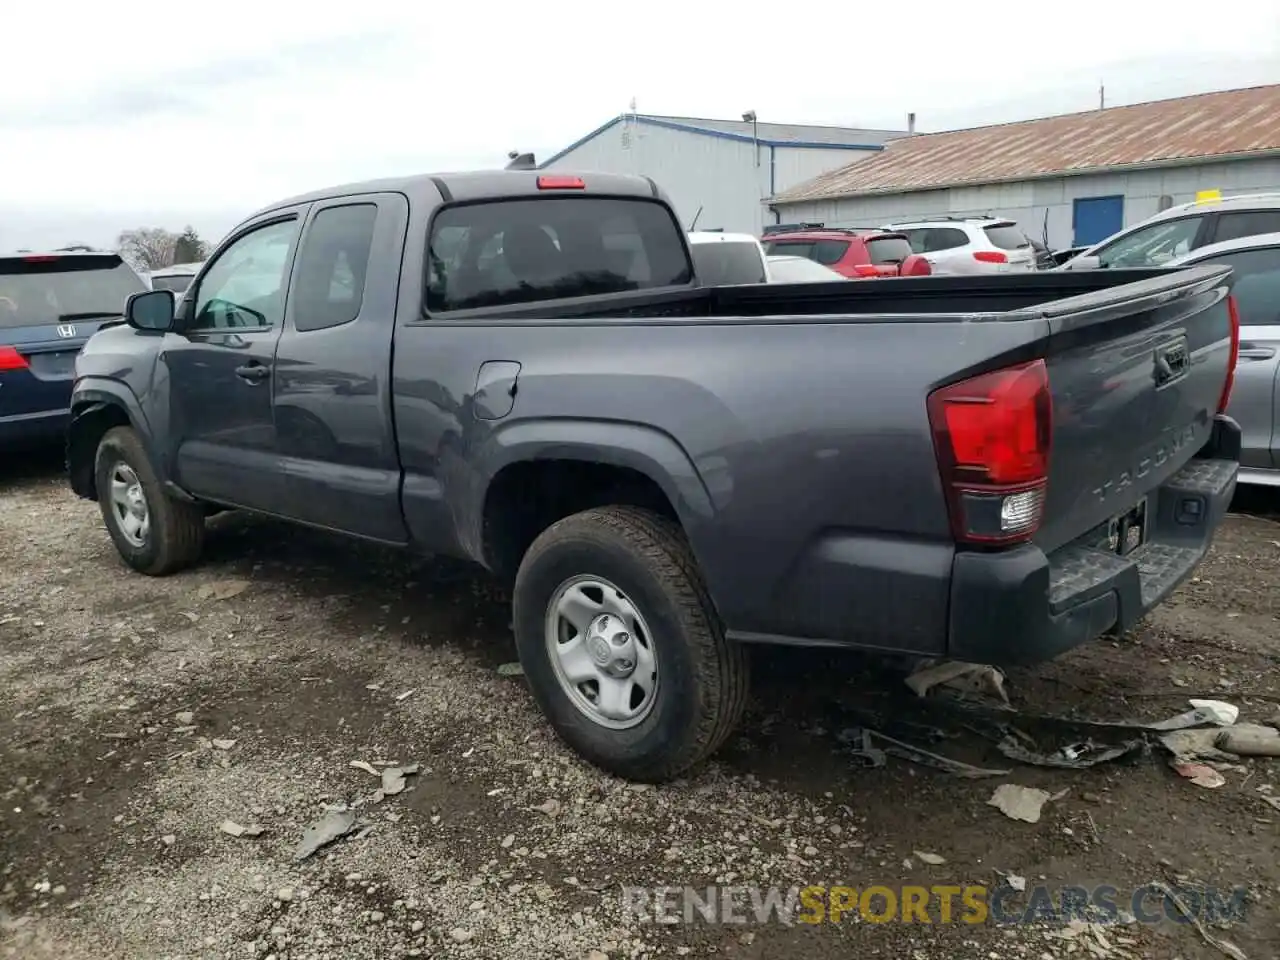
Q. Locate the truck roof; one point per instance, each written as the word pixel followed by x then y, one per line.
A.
pixel 476 185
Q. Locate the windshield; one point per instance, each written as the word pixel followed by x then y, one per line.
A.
pixel 800 270
pixel 1151 246
pixel 44 289
pixel 177 282
pixel 727 262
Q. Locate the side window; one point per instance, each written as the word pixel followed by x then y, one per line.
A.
pixel 1248 223
pixel 916 238
pixel 938 239
pixel 244 286
pixel 328 285
pixel 1256 284
pixel 1152 246
pixel 827 252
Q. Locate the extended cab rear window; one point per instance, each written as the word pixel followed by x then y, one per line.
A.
pixel 41 290
pixel 507 252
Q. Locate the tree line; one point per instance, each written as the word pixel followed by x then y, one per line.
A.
pixel 151 248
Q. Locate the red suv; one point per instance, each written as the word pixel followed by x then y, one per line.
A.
pixel 857 253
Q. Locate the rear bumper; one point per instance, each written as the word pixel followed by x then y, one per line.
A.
pixel 46 425
pixel 1022 606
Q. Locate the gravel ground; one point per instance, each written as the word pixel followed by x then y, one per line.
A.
pixel 140 714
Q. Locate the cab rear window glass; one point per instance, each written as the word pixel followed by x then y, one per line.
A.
pixel 508 252
pixel 39 290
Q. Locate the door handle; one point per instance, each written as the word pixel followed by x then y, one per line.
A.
pixel 1256 353
pixel 253 372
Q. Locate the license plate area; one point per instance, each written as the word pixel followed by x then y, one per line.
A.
pixel 1128 531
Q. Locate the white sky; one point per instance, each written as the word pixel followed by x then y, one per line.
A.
pixel 114 116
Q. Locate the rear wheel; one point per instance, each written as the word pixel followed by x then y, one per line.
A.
pixel 622 647
pixel 154 533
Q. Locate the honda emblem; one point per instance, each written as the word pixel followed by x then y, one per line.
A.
pixel 66 330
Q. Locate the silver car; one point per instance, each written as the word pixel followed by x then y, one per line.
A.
pixel 1255 403
pixel 1189 227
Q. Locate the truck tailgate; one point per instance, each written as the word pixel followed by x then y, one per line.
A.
pixel 1137 375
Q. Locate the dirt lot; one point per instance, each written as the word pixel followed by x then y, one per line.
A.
pixel 110 842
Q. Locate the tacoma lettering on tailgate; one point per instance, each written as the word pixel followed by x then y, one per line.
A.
pixel 1158 457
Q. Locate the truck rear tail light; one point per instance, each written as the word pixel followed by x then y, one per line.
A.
pixel 11 359
pixel 1233 311
pixel 990 256
pixel 992 435
pixel 561 183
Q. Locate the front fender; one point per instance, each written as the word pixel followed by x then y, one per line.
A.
pixel 97 405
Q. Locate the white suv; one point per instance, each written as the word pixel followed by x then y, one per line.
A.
pixel 969 245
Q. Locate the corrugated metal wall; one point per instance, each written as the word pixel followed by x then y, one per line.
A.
pixel 717 175
pixel 1040 204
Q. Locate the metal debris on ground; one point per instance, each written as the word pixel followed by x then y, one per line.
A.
pixel 400 698
pixel 1074 756
pixel 1188 746
pixel 511 670
pixel 393 778
pixel 334 825
pixel 967 679
pixel 866 753
pixel 1201 774
pixel 223 589
pixel 1015 882
pixel 927 758
pixel 1226 947
pixel 1019 803
pixel 366 767
pixel 1215 712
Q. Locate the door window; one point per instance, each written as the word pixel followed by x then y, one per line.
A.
pixel 1248 223
pixel 1152 246
pixel 1255 284
pixel 244 286
pixel 328 285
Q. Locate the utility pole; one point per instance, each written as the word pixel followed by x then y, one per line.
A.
pixel 1102 97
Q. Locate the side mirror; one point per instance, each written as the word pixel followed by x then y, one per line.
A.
pixel 1083 263
pixel 152 310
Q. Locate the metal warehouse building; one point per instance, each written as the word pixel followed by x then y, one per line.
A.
pixel 719 172
pixel 1068 180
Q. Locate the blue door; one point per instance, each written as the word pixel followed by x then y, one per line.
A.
pixel 1096 218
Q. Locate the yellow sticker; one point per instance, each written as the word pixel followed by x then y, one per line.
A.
pixel 1208 196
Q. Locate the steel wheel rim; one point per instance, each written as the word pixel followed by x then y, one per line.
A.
pixel 602 652
pixel 129 505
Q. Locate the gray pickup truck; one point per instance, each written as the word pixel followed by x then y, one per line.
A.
pixel 521 369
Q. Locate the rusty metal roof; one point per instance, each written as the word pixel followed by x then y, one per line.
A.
pixel 1209 125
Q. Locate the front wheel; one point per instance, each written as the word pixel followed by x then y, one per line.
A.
pixel 154 533
pixel 621 644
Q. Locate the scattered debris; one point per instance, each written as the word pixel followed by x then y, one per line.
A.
pixel 1188 746
pixel 1214 712
pixel 1015 882
pixel 918 755
pixel 866 754
pixel 1019 803
pixel 231 828
pixel 1227 948
pixel 334 825
pixel 284 894
pixel 968 679
pixel 1249 740
pixel 223 589
pixel 930 858
pixel 366 767
pixel 1075 756
pixel 223 744
pixel 460 935
pixel 1201 774
pixel 508 840
pixel 169 839
pixel 511 670
pixel 405 696
pixel 393 778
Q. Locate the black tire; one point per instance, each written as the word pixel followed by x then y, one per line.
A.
pixel 702 677
pixel 176 535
